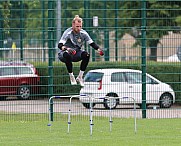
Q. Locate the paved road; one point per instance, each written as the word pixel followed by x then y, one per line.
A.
pixel 63 106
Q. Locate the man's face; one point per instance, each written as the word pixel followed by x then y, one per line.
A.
pixel 77 26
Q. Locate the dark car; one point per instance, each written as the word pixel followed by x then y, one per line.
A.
pixel 18 79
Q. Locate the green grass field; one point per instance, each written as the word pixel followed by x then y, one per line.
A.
pixel 150 132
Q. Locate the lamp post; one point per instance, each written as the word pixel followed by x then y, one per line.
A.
pixel 95 25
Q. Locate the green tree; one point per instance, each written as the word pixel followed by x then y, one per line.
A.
pixel 16 11
pixel 4 22
pixel 35 23
pixel 162 17
pixel 5 12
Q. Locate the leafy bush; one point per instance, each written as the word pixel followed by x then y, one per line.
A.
pixel 168 73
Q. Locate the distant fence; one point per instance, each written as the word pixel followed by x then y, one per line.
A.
pixel 29 54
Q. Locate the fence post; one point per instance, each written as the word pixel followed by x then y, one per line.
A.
pixel 43 29
pixel 50 48
pixel 21 30
pixel 106 33
pixel 1 34
pixel 116 30
pixel 143 63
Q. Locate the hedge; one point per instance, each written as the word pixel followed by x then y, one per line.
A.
pixel 166 72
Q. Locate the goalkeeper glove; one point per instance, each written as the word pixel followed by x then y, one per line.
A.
pixel 100 51
pixel 71 51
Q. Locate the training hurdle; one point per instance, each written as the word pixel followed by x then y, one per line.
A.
pixel 110 110
pixel 90 113
pixel 69 112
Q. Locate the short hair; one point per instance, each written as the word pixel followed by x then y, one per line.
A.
pixel 77 18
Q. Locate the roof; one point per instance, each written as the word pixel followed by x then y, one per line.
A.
pixel 13 63
pixel 114 70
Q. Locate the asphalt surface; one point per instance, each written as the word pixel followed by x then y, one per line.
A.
pixel 63 106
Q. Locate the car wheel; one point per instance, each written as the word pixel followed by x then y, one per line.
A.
pixel 111 102
pixel 87 105
pixel 165 101
pixel 24 92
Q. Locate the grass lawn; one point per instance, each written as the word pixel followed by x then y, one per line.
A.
pixel 150 132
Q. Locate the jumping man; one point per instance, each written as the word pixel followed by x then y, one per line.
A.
pixel 70 46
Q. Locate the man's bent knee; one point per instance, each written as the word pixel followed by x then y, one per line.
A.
pixel 64 57
pixel 85 55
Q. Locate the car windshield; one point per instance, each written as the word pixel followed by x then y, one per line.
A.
pixel 93 77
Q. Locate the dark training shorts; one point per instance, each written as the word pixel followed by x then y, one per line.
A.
pixel 75 58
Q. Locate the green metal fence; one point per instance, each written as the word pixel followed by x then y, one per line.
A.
pixel 140 34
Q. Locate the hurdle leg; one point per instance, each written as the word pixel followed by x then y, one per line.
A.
pixel 135 129
pixel 110 119
pixel 50 111
pixel 69 112
pixel 91 119
pixel 69 122
pixel 134 108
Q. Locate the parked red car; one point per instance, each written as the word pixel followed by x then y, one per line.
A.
pixel 18 79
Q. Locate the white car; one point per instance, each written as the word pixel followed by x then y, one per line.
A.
pixel 111 87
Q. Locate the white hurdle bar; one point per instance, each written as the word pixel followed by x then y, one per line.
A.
pixel 110 112
pixel 91 111
pixel 91 115
pixel 50 101
pixel 69 112
pixel 135 129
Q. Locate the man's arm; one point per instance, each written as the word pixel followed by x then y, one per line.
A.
pixel 61 46
pixel 70 50
pixel 96 47
pixel 63 39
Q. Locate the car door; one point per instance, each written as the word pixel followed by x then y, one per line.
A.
pixel 153 90
pixel 134 86
pixel 121 87
pixel 134 80
pixel 25 76
pixel 8 81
